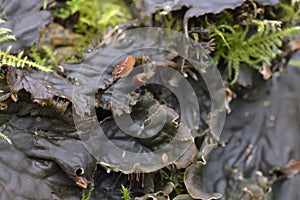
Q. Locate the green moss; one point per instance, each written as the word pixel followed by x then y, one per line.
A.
pixel 288 11
pixel 44 57
pixel 125 192
pixel 171 21
pixel 178 181
pixel 86 195
pixel 94 15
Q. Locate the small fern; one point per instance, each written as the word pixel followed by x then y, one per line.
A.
pixel 5 138
pixel 4 34
pixel 15 61
pixel 19 61
pixel 235 46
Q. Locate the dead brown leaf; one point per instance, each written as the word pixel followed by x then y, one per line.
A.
pixel 294 44
pixel 291 169
pixel 265 71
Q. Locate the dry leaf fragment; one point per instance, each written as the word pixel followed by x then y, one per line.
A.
pixel 229 94
pixel 124 68
pixel 295 44
pixel 265 71
pixel 140 79
pixel 291 169
pixel 229 97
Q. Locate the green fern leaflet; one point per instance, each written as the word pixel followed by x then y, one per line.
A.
pixel 15 61
pixel 235 46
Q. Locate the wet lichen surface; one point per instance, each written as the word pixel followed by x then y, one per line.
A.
pixel 66 134
pixel 262 134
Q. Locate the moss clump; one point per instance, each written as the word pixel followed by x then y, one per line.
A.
pixel 94 16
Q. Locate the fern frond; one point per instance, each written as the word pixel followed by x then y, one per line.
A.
pixel 19 61
pixel 4 30
pixel 262 46
pixel 5 138
pixel 15 61
pixel 4 34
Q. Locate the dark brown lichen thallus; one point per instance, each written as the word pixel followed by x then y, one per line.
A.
pixel 124 68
